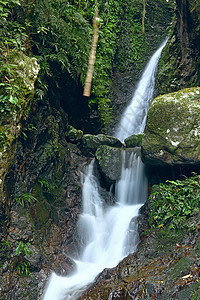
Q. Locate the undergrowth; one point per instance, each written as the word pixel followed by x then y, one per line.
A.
pixel 172 203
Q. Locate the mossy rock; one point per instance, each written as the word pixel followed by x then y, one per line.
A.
pixel 172 133
pixel 73 135
pixel 134 140
pixel 25 71
pixel 91 142
pixel 109 161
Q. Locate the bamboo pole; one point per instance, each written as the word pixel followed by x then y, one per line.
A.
pixel 88 80
pixel 143 16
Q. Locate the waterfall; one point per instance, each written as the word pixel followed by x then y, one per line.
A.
pixel 134 117
pixel 109 233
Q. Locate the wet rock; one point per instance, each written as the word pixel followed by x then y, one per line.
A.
pixel 158 270
pixel 62 265
pixel 134 140
pixel 109 161
pixel 34 256
pixel 91 142
pixel 48 168
pixel 20 228
pixel 172 133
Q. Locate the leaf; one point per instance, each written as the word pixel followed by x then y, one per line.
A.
pixel 13 100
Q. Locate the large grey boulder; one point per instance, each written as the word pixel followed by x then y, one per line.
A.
pixel 91 142
pixel 172 133
pixel 109 161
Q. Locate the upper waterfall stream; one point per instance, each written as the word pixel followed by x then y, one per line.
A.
pixel 109 233
pixel 134 117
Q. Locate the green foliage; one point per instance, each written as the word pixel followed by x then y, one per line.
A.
pixel 22 248
pixel 62 36
pixel 12 36
pixel 12 33
pixel 171 204
pixel 59 34
pixel 5 245
pixel 26 199
pixel 47 186
pixel 196 295
pixel 8 104
pixel 24 268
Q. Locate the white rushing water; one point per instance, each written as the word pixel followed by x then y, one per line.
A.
pixel 134 117
pixel 109 232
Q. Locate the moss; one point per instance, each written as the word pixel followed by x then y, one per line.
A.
pixel 180 268
pixel 24 72
pixel 41 214
pixel 73 135
pixel 171 133
pixel 91 142
pixel 179 65
pixel 134 141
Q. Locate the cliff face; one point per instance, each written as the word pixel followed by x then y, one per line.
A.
pixel 180 62
pixel 41 205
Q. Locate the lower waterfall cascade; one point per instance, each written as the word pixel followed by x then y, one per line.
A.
pixel 109 232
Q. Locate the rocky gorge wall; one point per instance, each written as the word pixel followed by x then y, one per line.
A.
pixel 179 67
pixel 41 201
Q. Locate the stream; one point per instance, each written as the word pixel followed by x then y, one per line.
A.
pixel 109 232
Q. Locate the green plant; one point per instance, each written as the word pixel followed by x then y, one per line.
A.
pixel 24 268
pixel 48 187
pixel 22 248
pixel 21 251
pixel 196 295
pixel 26 199
pixel 5 245
pixel 171 204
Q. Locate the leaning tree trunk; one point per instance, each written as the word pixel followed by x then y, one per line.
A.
pixel 143 16
pixel 88 81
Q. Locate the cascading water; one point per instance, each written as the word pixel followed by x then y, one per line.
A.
pixel 134 117
pixel 109 233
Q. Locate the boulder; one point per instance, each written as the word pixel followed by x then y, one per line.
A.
pixel 172 133
pixel 91 142
pixel 109 161
pixel 73 135
pixel 134 140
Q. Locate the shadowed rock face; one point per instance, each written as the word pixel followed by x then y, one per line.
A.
pixel 172 133
pixel 179 67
